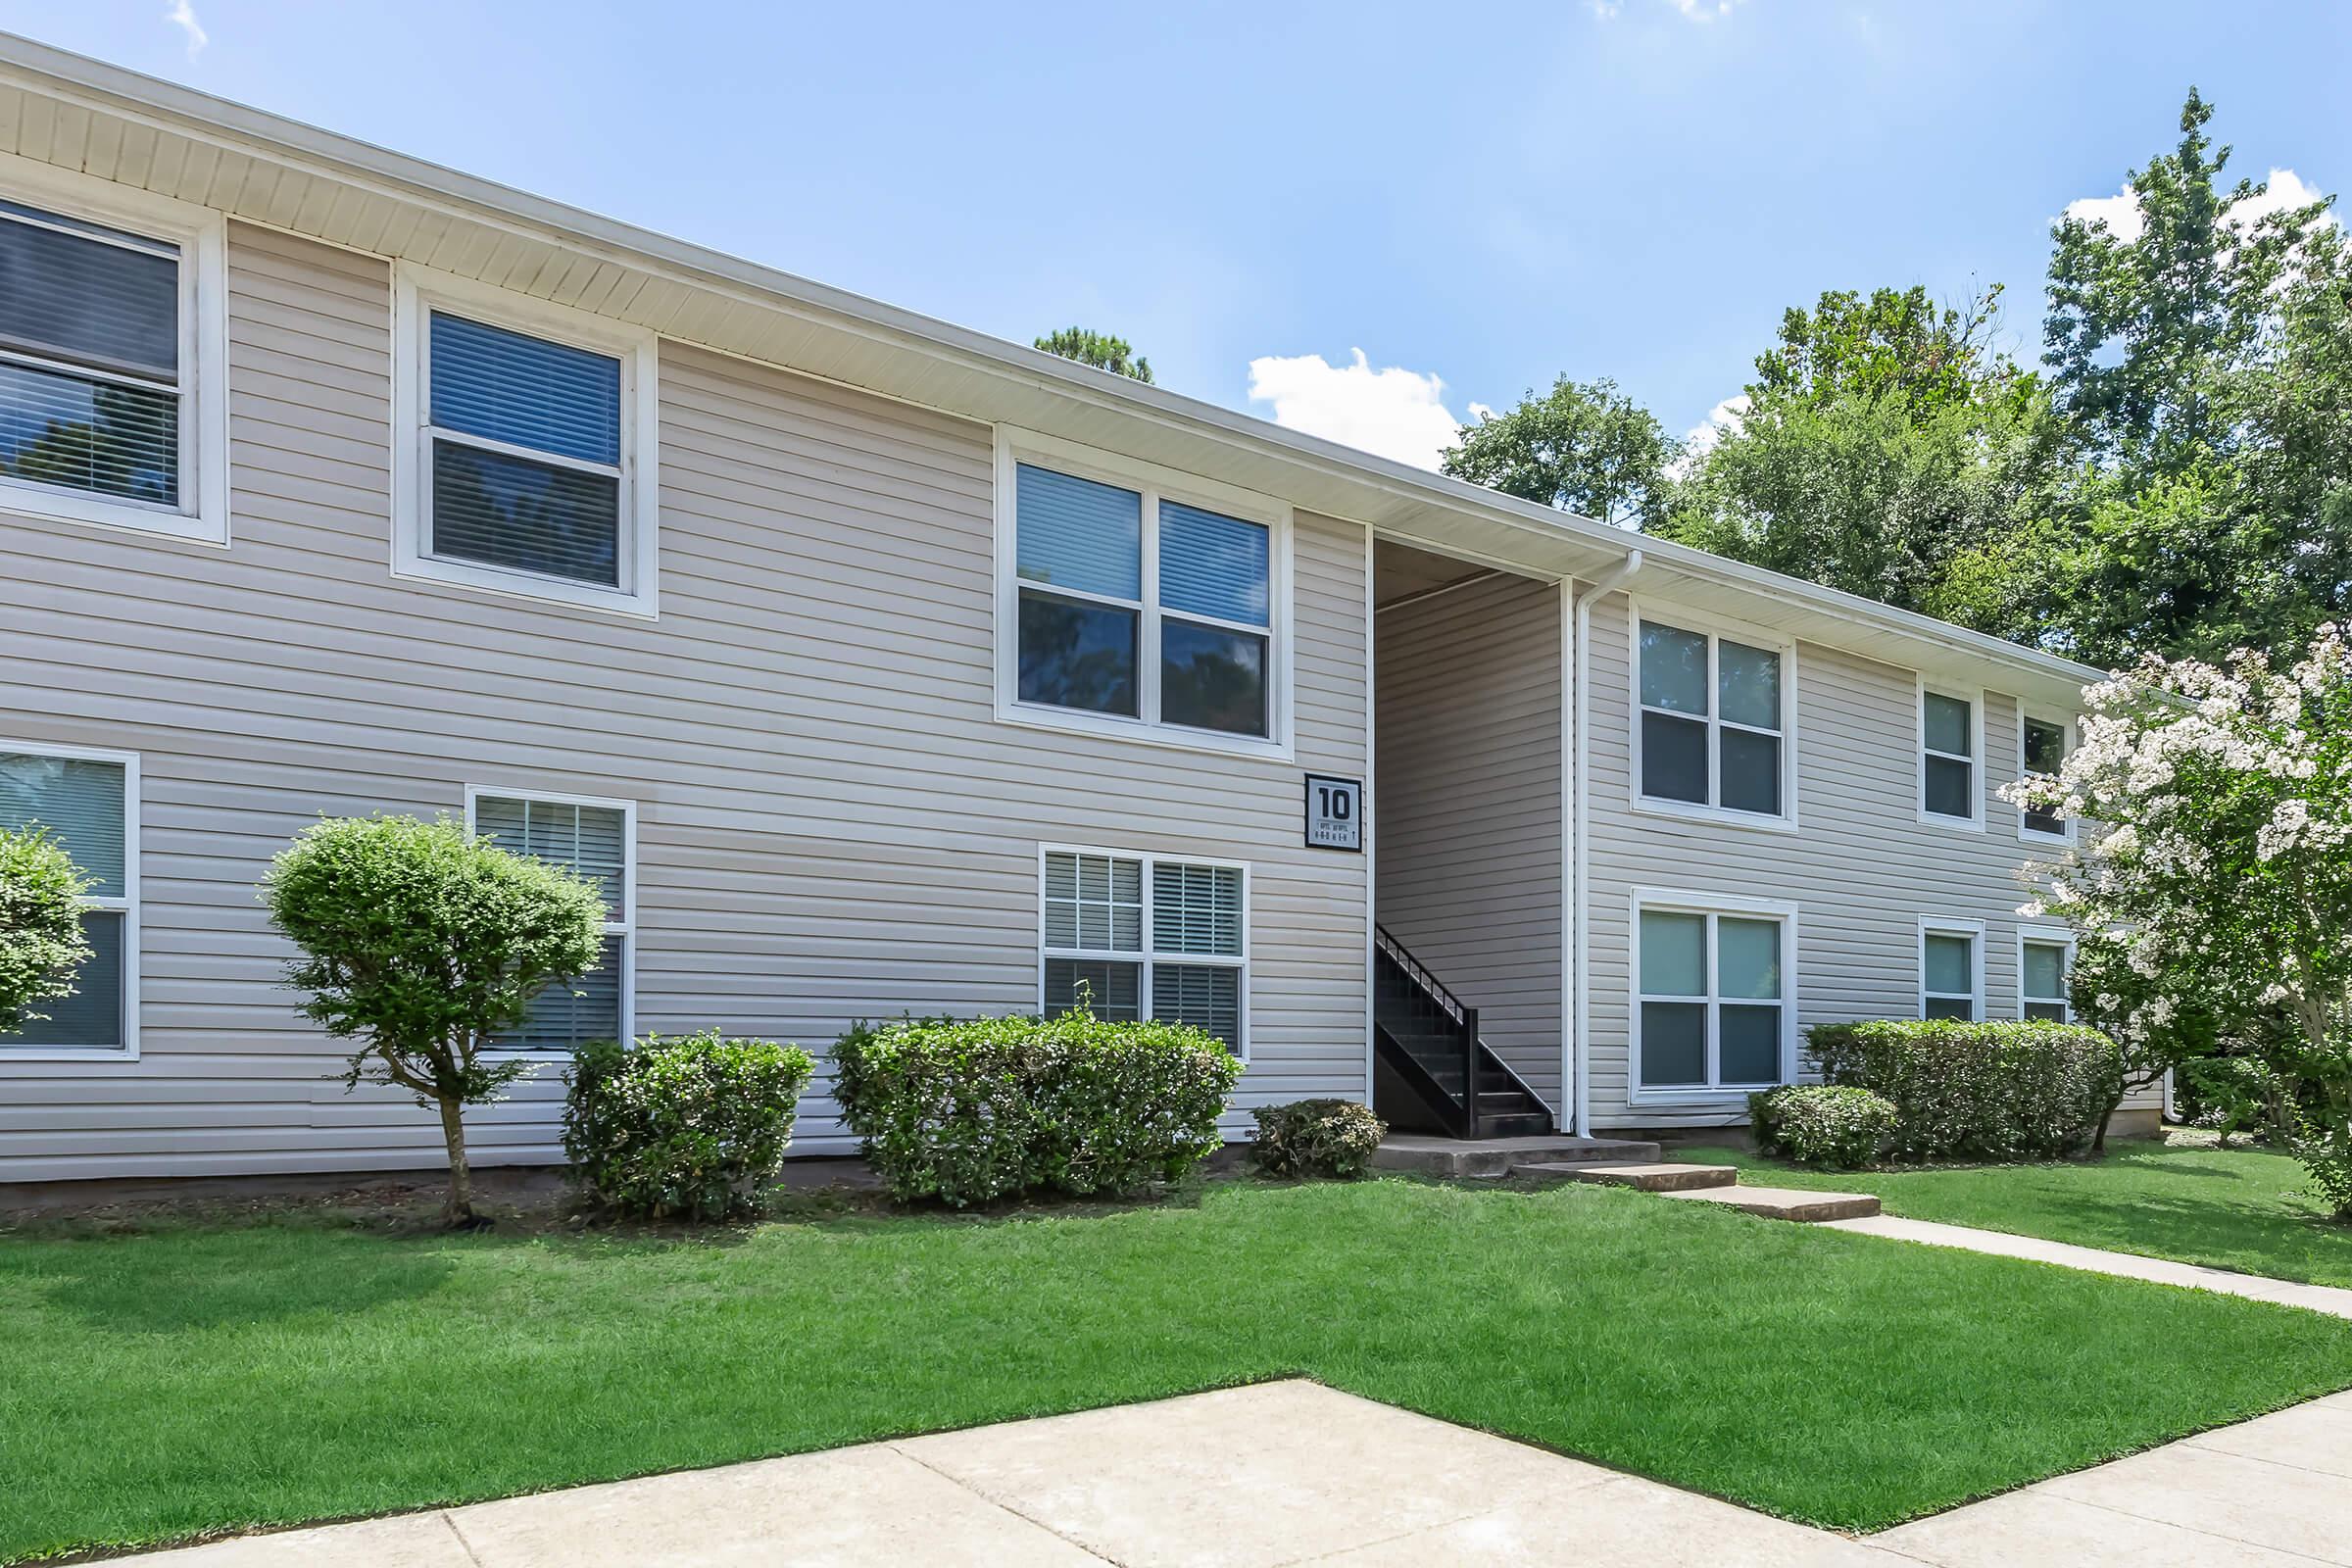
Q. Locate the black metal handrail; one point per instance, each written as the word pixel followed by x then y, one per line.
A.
pixel 1437 1001
pixel 1413 966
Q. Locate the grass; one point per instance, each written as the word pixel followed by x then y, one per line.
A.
pixel 198 1378
pixel 2234 1208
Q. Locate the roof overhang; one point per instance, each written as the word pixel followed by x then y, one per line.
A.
pixel 83 115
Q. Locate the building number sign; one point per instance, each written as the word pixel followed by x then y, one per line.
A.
pixel 1335 812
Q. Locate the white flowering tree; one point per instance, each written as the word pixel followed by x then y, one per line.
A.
pixel 2216 906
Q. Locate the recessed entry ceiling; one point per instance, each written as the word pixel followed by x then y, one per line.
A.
pixel 1401 572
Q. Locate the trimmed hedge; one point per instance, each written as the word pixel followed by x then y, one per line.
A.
pixel 987 1108
pixel 1316 1138
pixel 1831 1125
pixel 692 1126
pixel 1997 1091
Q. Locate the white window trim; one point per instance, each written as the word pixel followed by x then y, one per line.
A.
pixel 1015 447
pixel 1977 764
pixel 416 292
pixel 1148 957
pixel 2024 834
pixel 2052 937
pixel 202 235
pixel 127 905
pixel 624 928
pixel 1679 902
pixel 1950 926
pixel 1715 629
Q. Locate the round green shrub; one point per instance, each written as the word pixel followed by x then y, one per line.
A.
pixel 1316 1138
pixel 1994 1090
pixel 966 1111
pixel 1822 1124
pixel 693 1126
pixel 41 940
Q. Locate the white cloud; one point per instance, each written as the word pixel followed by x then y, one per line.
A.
pixel 1700 439
pixel 1392 411
pixel 2120 212
pixel 183 17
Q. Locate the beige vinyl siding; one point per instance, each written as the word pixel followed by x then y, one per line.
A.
pixel 1862 869
pixel 1469 807
pixel 831 824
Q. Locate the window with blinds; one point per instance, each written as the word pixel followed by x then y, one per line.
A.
pixel 593 838
pixel 94 387
pixel 1136 937
pixel 1130 605
pixel 85 804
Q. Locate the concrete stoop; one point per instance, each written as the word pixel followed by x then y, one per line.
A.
pixel 1616 1162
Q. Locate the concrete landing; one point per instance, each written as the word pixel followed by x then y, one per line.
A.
pixel 1787 1203
pixel 1429 1155
pixel 1647 1178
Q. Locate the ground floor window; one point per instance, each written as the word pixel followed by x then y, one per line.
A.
pixel 89 804
pixel 1711 1003
pixel 1952 970
pixel 1138 936
pixel 2044 960
pixel 598 839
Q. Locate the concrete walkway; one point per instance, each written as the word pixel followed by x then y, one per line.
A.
pixel 2329 1298
pixel 1293 1472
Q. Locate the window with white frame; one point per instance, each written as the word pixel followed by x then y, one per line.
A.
pixel 1141 937
pixel 2043 744
pixel 598 840
pixel 528 460
pixel 1711 1005
pixel 2044 960
pixel 1952 970
pixel 1132 603
pixel 111 388
pixel 1711 727
pixel 87 804
pixel 1951 736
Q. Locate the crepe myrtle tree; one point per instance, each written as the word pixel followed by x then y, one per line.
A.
pixel 41 939
pixel 423 941
pixel 2217 905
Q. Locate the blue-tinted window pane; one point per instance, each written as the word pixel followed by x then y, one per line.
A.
pixel 526 391
pixel 530 516
pixel 1075 533
pixel 1956 1008
pixel 1674 1044
pixel 1674 758
pixel 86 434
pixel 1950 787
pixel 1949 728
pixel 79 801
pixel 1751 770
pixel 1210 679
pixel 1747 1045
pixel 2045 971
pixel 92 1016
pixel 567 1015
pixel 1951 964
pixel 1077 655
pixel 1674 953
pixel 1674 669
pixel 1211 565
pixel 1112 990
pixel 79 300
pixel 1747 959
pixel 1748 682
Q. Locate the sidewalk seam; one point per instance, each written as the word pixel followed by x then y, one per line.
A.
pixel 1006 1508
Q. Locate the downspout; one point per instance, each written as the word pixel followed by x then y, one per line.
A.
pixel 1580 957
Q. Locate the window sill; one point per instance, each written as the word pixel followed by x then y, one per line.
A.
pixel 1649 1098
pixel 82 1054
pixel 19 500
pixel 522 585
pixel 1712 815
pixel 2027 835
pixel 1951 824
pixel 1029 716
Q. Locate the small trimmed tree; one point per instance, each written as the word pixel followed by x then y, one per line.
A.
pixel 423 941
pixel 41 940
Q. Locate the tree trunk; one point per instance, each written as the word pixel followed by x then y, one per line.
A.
pixel 2099 1142
pixel 458 1209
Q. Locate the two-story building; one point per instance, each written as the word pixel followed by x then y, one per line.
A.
pixel 881 666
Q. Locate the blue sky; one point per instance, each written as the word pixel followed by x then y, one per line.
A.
pixel 1475 197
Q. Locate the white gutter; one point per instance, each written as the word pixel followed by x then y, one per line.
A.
pixel 1576 970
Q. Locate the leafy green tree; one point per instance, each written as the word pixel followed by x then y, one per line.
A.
pixel 1101 350
pixel 1582 446
pixel 41 940
pixel 423 941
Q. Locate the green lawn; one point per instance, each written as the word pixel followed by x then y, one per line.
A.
pixel 194 1379
pixel 2228 1209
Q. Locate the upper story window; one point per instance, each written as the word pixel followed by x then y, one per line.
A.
pixel 111 354
pixel 2042 745
pixel 1711 995
pixel 89 802
pixel 1140 937
pixel 1135 610
pixel 1711 735
pixel 527 467
pixel 1952 970
pixel 1952 730
pixel 598 839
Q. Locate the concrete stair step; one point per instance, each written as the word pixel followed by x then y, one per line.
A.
pixel 1647 1178
pixel 1428 1155
pixel 1787 1203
